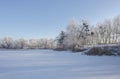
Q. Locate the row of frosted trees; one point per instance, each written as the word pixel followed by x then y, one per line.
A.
pixel 9 43
pixel 82 34
pixel 107 32
pixel 75 36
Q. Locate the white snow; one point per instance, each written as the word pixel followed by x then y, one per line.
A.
pixel 48 64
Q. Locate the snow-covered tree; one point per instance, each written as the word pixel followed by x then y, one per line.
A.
pixel 23 43
pixel 32 43
pixel 6 42
pixel 116 29
pixel 71 32
pixel 61 39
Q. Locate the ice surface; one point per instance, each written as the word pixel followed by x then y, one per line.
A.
pixel 48 64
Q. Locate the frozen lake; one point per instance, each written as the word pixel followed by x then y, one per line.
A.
pixel 48 64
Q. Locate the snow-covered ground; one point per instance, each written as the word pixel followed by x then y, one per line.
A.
pixel 48 64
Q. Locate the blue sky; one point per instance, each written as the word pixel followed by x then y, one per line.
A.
pixel 46 18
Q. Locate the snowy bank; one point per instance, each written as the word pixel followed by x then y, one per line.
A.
pixel 104 50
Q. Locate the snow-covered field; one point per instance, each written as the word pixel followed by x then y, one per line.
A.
pixel 48 64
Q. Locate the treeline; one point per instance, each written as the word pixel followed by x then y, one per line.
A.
pixel 78 34
pixel 75 36
pixel 9 43
pixel 107 32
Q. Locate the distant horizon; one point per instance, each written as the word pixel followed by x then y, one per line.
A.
pixel 45 19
